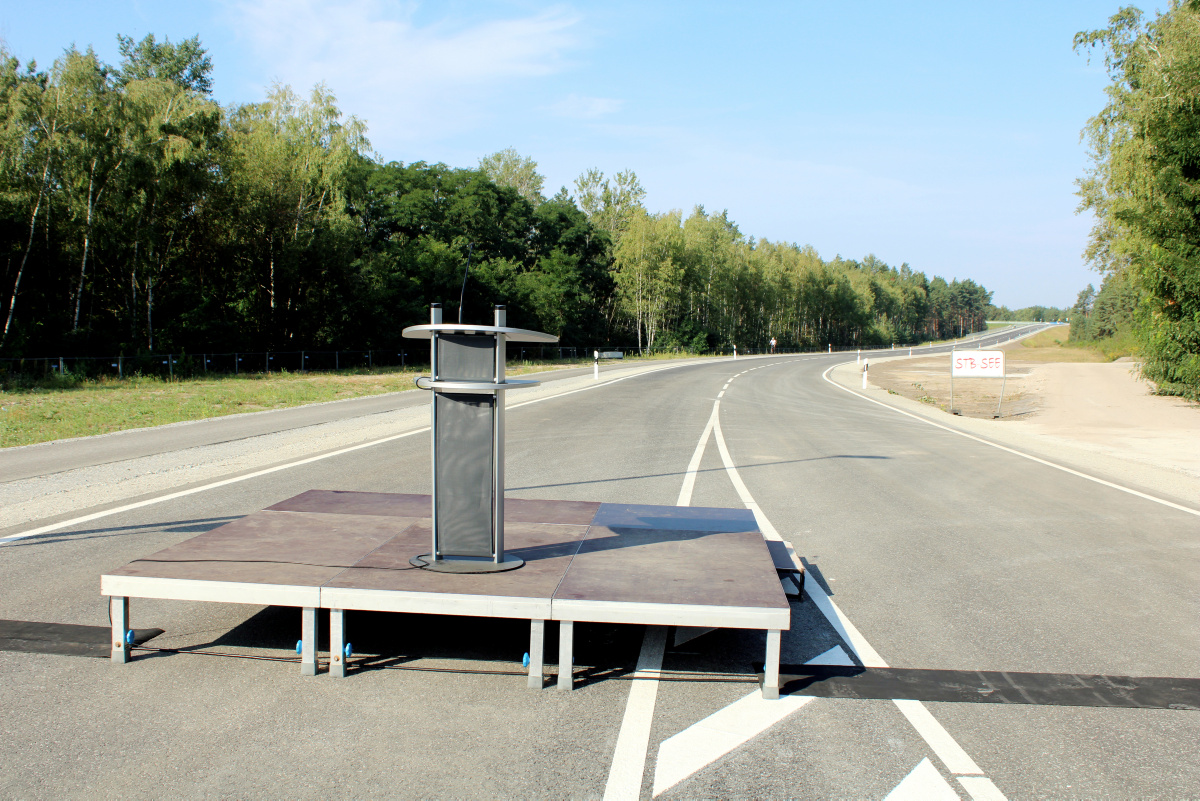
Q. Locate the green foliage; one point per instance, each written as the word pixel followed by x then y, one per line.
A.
pixel 1144 184
pixel 137 215
pixel 508 168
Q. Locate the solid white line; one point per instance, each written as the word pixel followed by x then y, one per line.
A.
pixel 1013 451
pixel 938 739
pixel 842 625
pixel 956 760
pixel 689 478
pixel 309 460
pixel 633 741
pixel 183 493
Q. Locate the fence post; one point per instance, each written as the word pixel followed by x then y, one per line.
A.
pixel 267 362
pixel 170 366
pixel 236 359
pixel 370 364
pixel 120 367
pixel 61 370
pixel 401 360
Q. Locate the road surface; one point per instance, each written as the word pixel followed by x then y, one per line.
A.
pixel 940 552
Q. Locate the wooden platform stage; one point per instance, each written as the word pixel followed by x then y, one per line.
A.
pixel 596 562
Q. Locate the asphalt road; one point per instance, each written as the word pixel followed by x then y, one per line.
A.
pixel 943 552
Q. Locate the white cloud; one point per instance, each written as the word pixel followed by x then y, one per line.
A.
pixel 409 82
pixel 586 108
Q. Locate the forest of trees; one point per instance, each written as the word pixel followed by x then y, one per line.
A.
pixel 1144 189
pixel 138 215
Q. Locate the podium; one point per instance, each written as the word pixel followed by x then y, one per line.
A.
pixel 467 366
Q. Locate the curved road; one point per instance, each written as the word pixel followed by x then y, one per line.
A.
pixel 940 551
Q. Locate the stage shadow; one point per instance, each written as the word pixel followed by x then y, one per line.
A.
pixel 197 526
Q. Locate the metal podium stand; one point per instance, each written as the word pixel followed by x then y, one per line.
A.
pixel 466 365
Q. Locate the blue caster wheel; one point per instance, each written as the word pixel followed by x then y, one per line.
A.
pixel 348 651
pixel 525 660
pixel 129 637
pixel 300 646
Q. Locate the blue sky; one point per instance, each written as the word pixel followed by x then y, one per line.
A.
pixel 945 135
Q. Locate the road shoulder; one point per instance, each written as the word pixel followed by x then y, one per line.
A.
pixel 1156 470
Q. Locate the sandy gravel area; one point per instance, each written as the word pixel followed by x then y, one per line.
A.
pixel 1096 418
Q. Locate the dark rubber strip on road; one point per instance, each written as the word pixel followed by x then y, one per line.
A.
pixel 64 639
pixel 991 687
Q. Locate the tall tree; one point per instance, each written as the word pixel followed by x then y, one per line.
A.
pixel 509 168
pixel 1144 182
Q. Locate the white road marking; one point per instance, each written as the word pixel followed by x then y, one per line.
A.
pixel 834 656
pixel 685 634
pixel 842 625
pixel 924 783
pixel 74 521
pixel 981 788
pixel 956 760
pixel 1013 451
pixel 705 742
pixel 689 477
pixel 938 739
pixel 633 741
pixel 33 532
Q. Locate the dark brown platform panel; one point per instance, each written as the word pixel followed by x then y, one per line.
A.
pixel 293 548
pixel 674 555
pixel 546 548
pixel 516 510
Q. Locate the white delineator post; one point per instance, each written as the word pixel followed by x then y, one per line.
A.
pixel 596 365
pixel 735 351
pixel 866 366
pixel 858 358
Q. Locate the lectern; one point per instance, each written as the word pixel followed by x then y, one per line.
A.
pixel 466 365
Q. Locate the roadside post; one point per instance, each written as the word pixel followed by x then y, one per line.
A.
pixel 466 365
pixel 865 368
pixel 596 365
pixel 977 364
pixel 735 352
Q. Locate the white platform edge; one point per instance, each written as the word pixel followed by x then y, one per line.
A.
pixel 232 592
pixel 434 603
pixel 721 617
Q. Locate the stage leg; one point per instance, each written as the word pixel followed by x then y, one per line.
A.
pixel 566 633
pixel 118 609
pixel 770 688
pixel 537 636
pixel 337 643
pixel 308 637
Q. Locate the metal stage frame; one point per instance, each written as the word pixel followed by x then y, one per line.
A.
pixel 584 562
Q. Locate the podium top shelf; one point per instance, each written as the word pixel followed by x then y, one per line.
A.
pixel 511 334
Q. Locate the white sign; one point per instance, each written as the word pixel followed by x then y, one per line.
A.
pixel 977 363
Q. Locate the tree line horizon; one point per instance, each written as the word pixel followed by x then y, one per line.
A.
pixel 138 215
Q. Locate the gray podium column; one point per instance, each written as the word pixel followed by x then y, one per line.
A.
pixel 467 377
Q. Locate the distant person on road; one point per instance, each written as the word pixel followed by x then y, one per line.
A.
pixel 772 344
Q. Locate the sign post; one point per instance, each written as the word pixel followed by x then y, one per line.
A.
pixel 977 364
pixel 466 364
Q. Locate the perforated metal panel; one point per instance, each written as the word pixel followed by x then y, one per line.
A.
pixel 466 358
pixel 464 473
